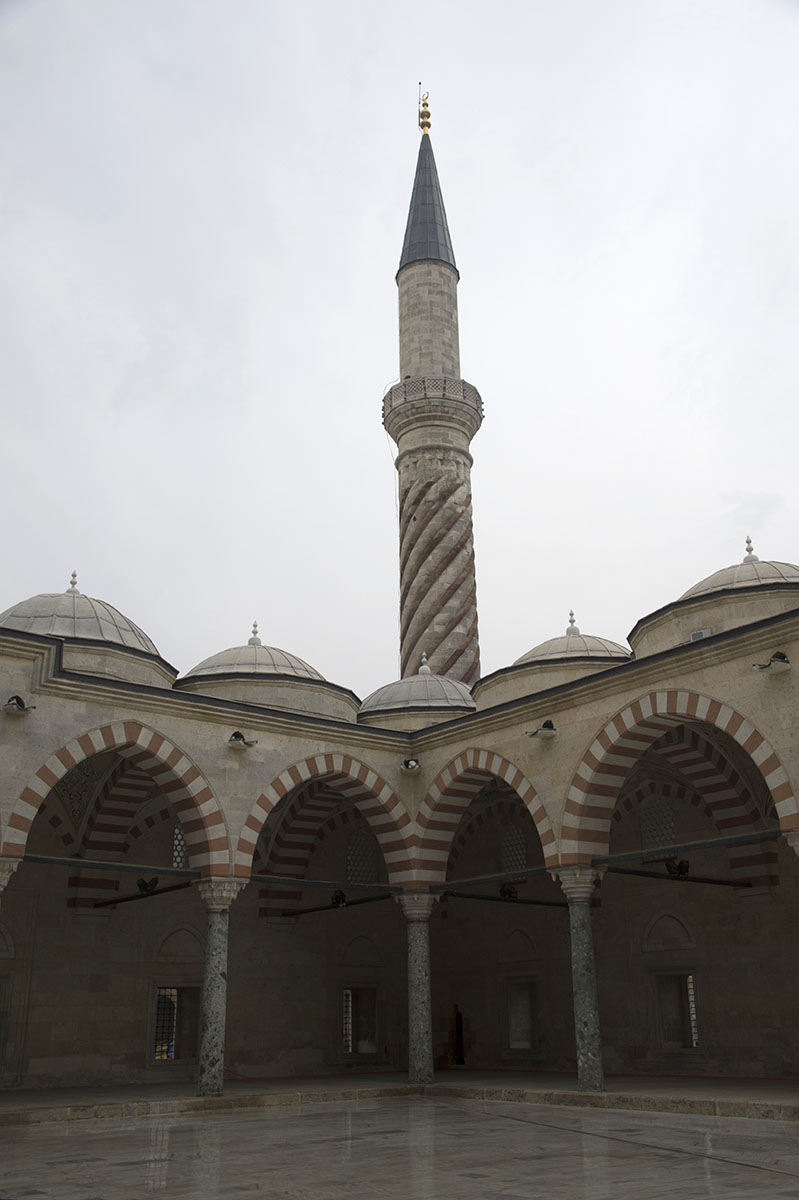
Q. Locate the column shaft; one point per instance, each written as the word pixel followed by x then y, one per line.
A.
pixel 218 895
pixel 578 886
pixel 420 1008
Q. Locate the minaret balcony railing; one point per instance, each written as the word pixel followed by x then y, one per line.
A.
pixel 426 387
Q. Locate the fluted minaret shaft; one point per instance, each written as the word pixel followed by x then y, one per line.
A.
pixel 432 415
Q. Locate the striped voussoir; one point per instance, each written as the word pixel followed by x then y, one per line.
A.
pixel 168 769
pixel 450 795
pixel 113 809
pixel 757 865
pixel 605 766
pixel 348 779
pixel 502 808
pixel 438 592
pixel 312 815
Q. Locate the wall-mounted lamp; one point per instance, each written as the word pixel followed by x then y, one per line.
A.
pixel 15 706
pixel 779 661
pixel 410 764
pixel 545 730
pixel 237 741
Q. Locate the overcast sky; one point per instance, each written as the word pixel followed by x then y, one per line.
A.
pixel 202 205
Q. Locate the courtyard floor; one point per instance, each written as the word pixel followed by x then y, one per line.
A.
pixel 405 1147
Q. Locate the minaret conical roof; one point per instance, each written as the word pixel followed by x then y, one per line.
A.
pixel 427 233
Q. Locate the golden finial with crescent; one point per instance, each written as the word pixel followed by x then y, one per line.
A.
pixel 424 112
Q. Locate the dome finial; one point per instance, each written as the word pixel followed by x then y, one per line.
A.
pixel 571 627
pixel 254 640
pixel 424 111
pixel 750 554
pixel 424 669
pixel 73 584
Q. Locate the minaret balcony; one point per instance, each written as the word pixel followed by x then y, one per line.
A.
pixel 432 399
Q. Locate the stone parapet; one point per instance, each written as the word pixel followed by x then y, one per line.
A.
pixel 432 400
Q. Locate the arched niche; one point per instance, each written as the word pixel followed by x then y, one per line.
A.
pixel 667 932
pixel 361 952
pixel 517 947
pixel 181 945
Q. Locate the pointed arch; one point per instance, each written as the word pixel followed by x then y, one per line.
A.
pixel 364 788
pixel 452 791
pixel 620 744
pixel 167 766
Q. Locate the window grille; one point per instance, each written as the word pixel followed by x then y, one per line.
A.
pixel 657 826
pixel 362 857
pixel 180 851
pixel 679 1023
pixel 166 1020
pixel 514 850
pixel 176 1023
pixel 522 1034
pixel 347 1020
pixel 359 1020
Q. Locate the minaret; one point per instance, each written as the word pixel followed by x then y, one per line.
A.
pixel 432 415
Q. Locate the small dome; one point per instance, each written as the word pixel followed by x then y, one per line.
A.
pixel 70 614
pixel 574 644
pixel 749 573
pixel 255 659
pixel 424 690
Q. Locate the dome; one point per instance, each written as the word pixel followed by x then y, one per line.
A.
pixel 70 614
pixel 255 659
pixel 573 644
pixel 749 573
pixel 424 690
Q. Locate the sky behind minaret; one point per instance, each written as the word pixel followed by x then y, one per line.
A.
pixel 203 207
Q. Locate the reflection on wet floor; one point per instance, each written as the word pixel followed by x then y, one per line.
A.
pixel 403 1149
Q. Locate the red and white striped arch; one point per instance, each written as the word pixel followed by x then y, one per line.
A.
pixel 612 755
pixel 372 796
pixel 167 767
pixel 113 809
pixel 502 810
pixel 313 813
pixel 755 862
pixel 451 793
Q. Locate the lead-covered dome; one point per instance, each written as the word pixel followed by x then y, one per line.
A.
pixel 70 614
pixel 573 644
pixel 749 573
pixel 435 696
pixel 270 678
pixel 728 599
pixel 255 659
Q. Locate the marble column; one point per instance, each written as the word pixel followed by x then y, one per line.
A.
pixel 417 907
pixel 7 869
pixel 578 887
pixel 218 895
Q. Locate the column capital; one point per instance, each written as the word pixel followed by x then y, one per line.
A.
pixel 7 869
pixel 219 894
pixel 792 838
pixel 417 906
pixel 577 882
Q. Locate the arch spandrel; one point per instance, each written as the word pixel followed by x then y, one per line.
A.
pixel 374 798
pixel 170 769
pixel 450 794
pixel 606 764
